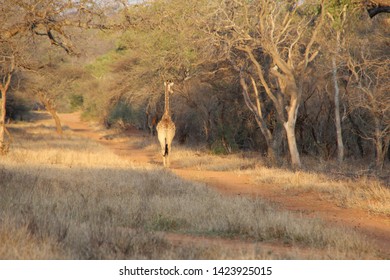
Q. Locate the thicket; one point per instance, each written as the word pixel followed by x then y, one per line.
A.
pixel 174 40
pixel 236 66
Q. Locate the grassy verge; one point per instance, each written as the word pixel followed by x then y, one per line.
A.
pixel 364 193
pixel 342 185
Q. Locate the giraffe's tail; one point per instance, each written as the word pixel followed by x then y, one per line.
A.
pixel 166 148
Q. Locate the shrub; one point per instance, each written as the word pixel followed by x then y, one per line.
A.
pixel 76 101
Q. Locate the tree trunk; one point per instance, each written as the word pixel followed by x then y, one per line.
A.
pixel 340 145
pixel 3 90
pixel 381 145
pixel 2 119
pixel 255 108
pixel 57 120
pixel 271 144
pixel 52 112
pixel 289 126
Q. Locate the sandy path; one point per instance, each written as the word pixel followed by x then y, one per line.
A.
pixel 375 227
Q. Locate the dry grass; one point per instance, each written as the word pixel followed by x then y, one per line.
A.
pixel 71 198
pixel 18 243
pixel 343 185
pixel 37 145
pixel 203 160
pixel 199 158
pixel 364 193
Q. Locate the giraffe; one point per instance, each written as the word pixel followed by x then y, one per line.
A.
pixel 166 128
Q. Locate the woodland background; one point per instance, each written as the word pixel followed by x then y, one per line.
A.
pixel 286 79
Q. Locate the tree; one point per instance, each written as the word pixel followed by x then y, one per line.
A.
pixel 24 21
pixel 337 13
pixel 51 19
pixel 7 68
pixel 369 87
pixel 158 44
pixel 278 40
pixel 50 84
pixel 375 7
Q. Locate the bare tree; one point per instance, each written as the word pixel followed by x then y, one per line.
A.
pixel 335 39
pixel 370 86
pixel 50 19
pixel 278 39
pixel 26 21
pixel 256 106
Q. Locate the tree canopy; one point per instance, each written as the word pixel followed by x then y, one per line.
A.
pixel 248 74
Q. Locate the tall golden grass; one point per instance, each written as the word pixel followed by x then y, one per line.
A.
pixel 364 192
pixel 71 198
pixel 340 184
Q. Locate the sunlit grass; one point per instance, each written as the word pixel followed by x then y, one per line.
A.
pixel 70 197
pixel 363 192
pixel 203 160
pixel 39 145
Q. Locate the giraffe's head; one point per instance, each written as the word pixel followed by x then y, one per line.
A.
pixel 168 86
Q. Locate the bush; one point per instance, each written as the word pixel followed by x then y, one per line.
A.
pixel 17 107
pixel 123 115
pixel 76 101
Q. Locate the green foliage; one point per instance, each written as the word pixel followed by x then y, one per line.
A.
pixel 121 111
pixel 163 38
pixel 102 65
pixel 217 148
pixel 336 9
pixel 17 107
pixel 225 144
pixel 90 112
pixel 124 114
pixel 157 51
pixel 307 8
pixel 76 101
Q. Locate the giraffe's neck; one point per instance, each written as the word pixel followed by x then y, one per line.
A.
pixel 166 111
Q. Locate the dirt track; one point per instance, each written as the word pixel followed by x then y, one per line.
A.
pixel 375 227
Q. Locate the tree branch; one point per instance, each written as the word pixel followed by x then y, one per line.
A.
pixel 308 57
pixel 372 12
